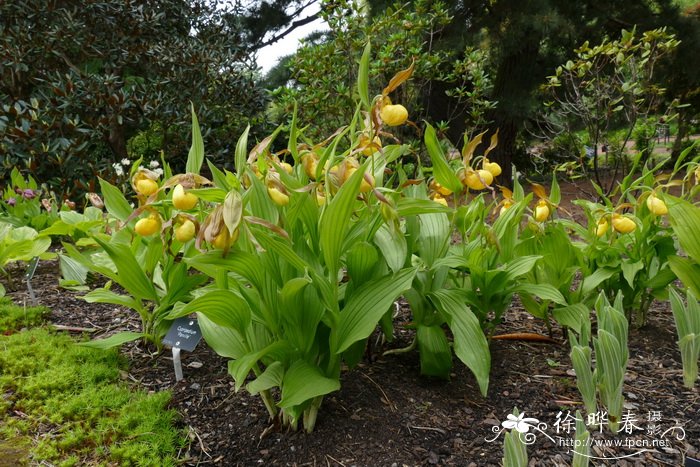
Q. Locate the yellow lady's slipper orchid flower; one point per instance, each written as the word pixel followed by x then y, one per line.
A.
pixel 505 206
pixel 287 167
pixel 492 167
pixel 146 186
pixel 147 226
pixel 394 114
pixel 223 240
pixel 185 231
pixel 623 224
pixel 279 198
pixel 602 227
pixel 443 190
pixel 477 179
pixel 656 205
pixel 310 163
pixel 541 211
pixel 183 200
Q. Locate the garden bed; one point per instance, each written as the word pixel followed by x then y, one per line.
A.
pixel 387 414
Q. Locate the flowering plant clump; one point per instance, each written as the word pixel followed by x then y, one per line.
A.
pixel 295 257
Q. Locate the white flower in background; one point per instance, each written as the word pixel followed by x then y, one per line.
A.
pixel 126 162
pixel 159 171
pixel 519 423
pixel 118 169
pixel 154 164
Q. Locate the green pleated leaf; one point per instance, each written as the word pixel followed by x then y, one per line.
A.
pixel 270 378
pixel 363 76
pixel 576 317
pixel 243 263
pixel 240 368
pixel 520 265
pixel 434 350
pixel 114 340
pixel 392 244
pixel 444 174
pixel 591 282
pixel 582 447
pixel 532 306
pixel 365 307
pixel 129 272
pixel 514 449
pixel 690 353
pixel 302 311
pixel 661 279
pixel 415 206
pixel 195 158
pixel 687 271
pixel 225 341
pixel 85 261
pixel 336 219
pixel 434 237
pixel 23 250
pixel 361 262
pixel 72 270
pixel 581 360
pixel 212 194
pixel 115 202
pixel 258 201
pixel 284 250
pixel 222 307
pixel 554 190
pixel 292 146
pixel 470 342
pixel 543 291
pixel 685 220
pixel 218 177
pixel 679 314
pixel 107 296
pixel 630 270
pixel 241 155
pixel 303 382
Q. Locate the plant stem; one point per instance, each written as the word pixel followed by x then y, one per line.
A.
pixel 410 347
pixel 269 403
pixel 311 414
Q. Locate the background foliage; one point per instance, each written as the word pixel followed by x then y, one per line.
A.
pixel 80 80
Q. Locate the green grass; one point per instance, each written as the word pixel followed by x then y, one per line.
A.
pixel 66 405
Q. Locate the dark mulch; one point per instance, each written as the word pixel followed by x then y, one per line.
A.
pixel 387 414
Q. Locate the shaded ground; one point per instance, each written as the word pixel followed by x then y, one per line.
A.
pixel 386 414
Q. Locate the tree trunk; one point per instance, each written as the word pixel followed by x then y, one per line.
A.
pixel 117 140
pixel 680 136
pixel 516 78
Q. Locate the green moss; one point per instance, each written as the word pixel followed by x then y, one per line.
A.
pixel 75 409
pixel 14 317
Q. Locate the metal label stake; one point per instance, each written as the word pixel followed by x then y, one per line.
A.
pixel 177 363
pixel 184 334
pixel 31 269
